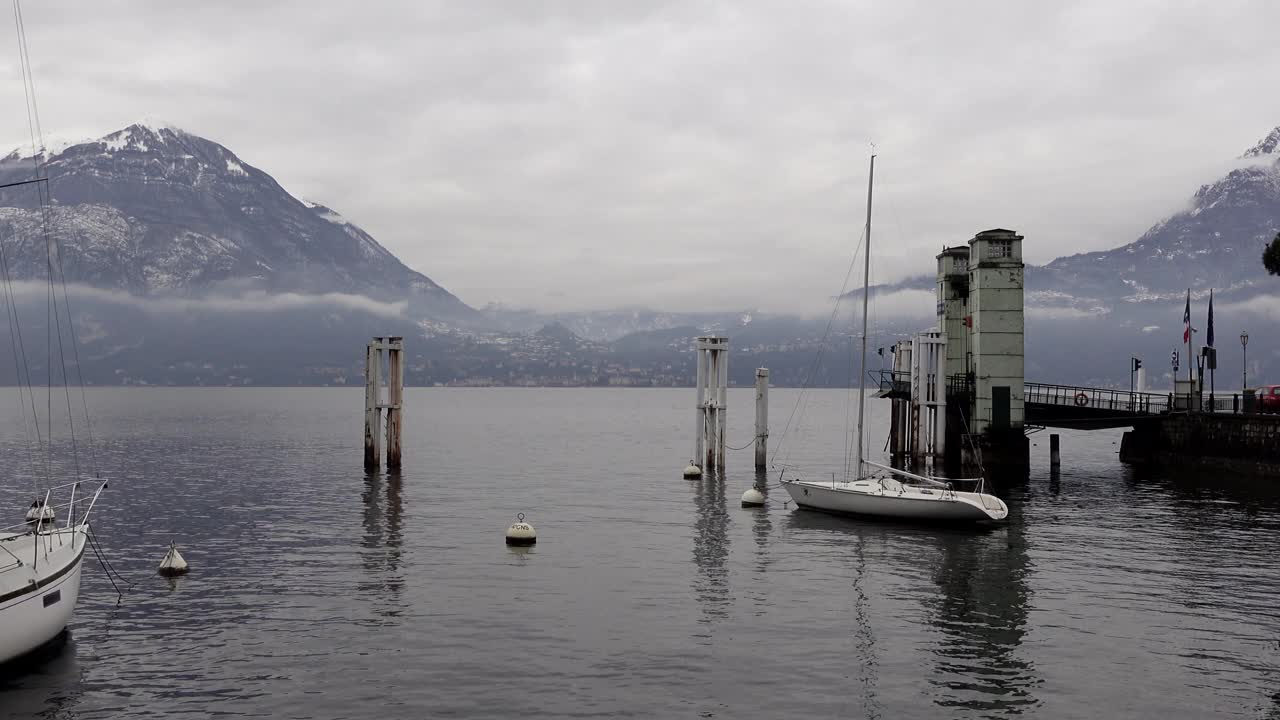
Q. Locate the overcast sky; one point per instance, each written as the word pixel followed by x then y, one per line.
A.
pixel 683 155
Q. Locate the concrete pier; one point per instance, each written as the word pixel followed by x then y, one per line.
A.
pixel 762 417
pixel 958 389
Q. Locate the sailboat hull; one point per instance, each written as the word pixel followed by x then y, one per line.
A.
pixel 37 603
pixel 866 498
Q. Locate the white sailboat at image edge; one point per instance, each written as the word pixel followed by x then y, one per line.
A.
pixel 40 575
pixel 884 491
pixel 40 560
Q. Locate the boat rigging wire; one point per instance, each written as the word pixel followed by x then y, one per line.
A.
pixel 822 348
pixel 54 263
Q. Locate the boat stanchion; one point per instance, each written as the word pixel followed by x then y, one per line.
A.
pixel 521 533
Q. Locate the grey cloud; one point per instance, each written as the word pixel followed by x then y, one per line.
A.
pixel 693 155
pixel 244 302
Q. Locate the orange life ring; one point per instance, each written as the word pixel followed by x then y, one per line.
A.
pixel 1082 399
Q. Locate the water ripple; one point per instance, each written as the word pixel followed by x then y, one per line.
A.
pixel 318 591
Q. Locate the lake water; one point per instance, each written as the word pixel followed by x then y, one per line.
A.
pixel 320 592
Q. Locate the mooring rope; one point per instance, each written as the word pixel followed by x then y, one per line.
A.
pixel 106 565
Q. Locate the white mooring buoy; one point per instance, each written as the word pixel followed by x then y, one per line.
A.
pixel 521 532
pixel 173 564
pixel 752 498
pixel 692 472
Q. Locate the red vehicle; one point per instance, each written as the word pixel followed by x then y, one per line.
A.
pixel 1268 398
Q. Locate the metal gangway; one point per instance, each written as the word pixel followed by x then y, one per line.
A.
pixel 1077 406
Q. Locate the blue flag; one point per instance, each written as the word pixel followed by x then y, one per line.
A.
pixel 1209 339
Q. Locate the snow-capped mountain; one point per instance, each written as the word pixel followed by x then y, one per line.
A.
pixel 153 209
pixel 1217 242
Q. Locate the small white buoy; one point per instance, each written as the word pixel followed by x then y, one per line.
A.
pixel 521 532
pixel 692 472
pixel 173 564
pixel 40 511
pixel 752 498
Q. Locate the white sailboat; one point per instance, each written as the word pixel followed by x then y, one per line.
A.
pixel 882 491
pixel 40 560
pixel 40 575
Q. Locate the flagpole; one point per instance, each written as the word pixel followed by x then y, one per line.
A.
pixel 1213 354
pixel 1191 360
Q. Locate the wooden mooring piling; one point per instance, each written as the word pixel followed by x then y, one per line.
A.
pixel 762 416
pixel 713 382
pixel 393 346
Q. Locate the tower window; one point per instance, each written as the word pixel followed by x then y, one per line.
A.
pixel 1000 249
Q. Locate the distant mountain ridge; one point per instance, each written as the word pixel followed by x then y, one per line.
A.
pixel 1215 243
pixel 205 255
pixel 154 209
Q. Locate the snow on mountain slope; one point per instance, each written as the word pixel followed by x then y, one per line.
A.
pixel 1216 243
pixel 154 209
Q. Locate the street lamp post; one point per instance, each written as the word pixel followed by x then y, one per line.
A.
pixel 1244 365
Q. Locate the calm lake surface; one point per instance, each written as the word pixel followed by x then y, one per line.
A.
pixel 320 592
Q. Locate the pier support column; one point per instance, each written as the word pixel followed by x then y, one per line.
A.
pixel 713 367
pixel 900 428
pixel 762 417
pixel 722 403
pixel 373 405
pixel 372 413
pixel 928 424
pixel 395 399
pixel 700 410
pixel 1055 458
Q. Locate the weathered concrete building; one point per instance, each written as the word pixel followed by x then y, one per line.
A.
pixel 996 332
pixel 953 307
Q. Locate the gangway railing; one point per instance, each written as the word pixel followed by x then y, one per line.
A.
pixel 895 381
pixel 899 381
pixel 1080 397
pixel 1087 398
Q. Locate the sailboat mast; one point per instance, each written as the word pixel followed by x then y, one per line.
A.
pixel 862 363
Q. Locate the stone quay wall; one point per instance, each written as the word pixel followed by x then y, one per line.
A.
pixel 1246 442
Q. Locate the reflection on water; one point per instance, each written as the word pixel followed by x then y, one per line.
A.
pixel 711 546
pixel 320 592
pixel 864 637
pixel 44 683
pixel 381 554
pixel 977 600
pixel 761 525
pixel 981 610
